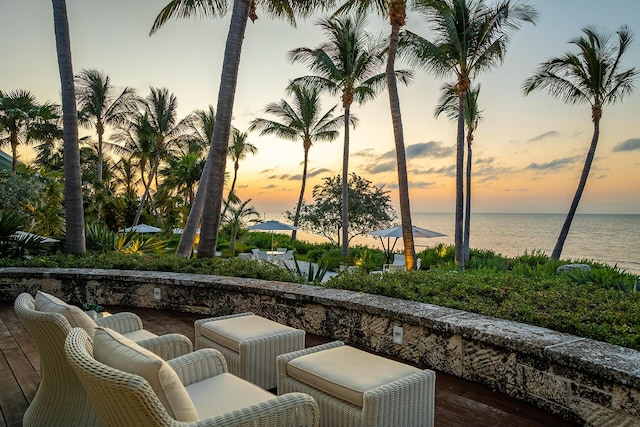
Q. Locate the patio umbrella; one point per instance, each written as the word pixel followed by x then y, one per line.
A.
pixel 272 226
pixel 396 233
pixel 141 228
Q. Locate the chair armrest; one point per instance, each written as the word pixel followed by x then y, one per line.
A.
pixel 198 323
pixel 121 322
pixel 283 359
pixel 199 365
pixel 168 346
pixel 288 410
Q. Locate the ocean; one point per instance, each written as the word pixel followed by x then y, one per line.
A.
pixel 608 238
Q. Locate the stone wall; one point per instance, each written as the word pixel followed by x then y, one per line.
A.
pixel 585 381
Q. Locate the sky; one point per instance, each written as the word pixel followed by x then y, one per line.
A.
pixel 528 150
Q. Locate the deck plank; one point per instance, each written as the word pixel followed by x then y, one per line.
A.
pixel 459 403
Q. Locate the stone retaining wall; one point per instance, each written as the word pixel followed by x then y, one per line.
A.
pixel 582 380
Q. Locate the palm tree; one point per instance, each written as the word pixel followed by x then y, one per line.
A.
pixel 210 192
pixel 448 104
pixel 74 211
pixel 239 216
pixel 349 63
pixel 239 148
pixel 469 37
pixel 100 106
pixel 396 11
pixel 592 76
pixel 300 119
pixel 19 111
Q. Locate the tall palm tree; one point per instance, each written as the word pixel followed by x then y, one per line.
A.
pixel 396 11
pixel 592 76
pixel 350 64
pixel 240 215
pixel 151 135
pixel 239 148
pixel 301 119
pixel 469 37
pixel 208 202
pixel 100 106
pixel 74 211
pixel 18 113
pixel 448 104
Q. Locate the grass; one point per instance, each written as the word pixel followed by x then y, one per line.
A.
pixel 602 304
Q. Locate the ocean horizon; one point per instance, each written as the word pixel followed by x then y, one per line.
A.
pixel 613 239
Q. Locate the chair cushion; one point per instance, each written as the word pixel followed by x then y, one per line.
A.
pixel 224 393
pixel 75 315
pixel 231 332
pixel 119 352
pixel 346 372
pixel 139 335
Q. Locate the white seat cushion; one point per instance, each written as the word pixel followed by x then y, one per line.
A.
pixel 139 335
pixel 119 352
pixel 223 393
pixel 76 317
pixel 346 372
pixel 231 332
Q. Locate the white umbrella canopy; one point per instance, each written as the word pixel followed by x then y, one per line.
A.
pixel 141 228
pixel 272 225
pixel 396 233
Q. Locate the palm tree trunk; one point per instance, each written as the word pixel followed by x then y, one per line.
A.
pixel 99 166
pixel 146 194
pixel 74 211
pixel 13 136
pixel 345 184
pixel 296 218
pixel 557 250
pixel 233 185
pixel 459 250
pixel 214 185
pixel 403 182
pixel 467 213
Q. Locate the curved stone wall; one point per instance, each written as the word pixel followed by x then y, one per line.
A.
pixel 586 381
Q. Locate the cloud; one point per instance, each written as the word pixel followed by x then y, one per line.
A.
pixel 545 135
pixel 628 145
pixel 517 190
pixel 317 172
pixel 553 165
pixel 367 152
pixel 423 184
pixel 444 170
pixel 380 167
pixel 430 149
pixel 484 160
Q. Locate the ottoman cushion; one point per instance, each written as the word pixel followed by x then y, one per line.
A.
pixel 346 372
pixel 230 332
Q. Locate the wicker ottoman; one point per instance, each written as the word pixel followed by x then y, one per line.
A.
pixel 249 343
pixel 356 388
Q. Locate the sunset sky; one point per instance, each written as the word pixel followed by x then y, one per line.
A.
pixel 529 151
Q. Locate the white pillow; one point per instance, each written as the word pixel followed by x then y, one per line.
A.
pixel 119 352
pixel 75 315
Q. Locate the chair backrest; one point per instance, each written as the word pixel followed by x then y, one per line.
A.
pixel 398 259
pixel 396 267
pixel 60 399
pixel 119 398
pixel 283 250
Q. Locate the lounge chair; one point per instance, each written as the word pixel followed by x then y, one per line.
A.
pixel 61 399
pixel 131 387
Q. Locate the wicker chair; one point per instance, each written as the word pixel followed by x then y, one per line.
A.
pixel 61 399
pixel 124 399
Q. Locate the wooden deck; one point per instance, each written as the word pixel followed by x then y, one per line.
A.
pixel 458 402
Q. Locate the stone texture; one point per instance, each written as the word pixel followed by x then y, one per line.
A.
pixel 568 268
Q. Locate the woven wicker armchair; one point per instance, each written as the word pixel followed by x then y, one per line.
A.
pixel 124 399
pixel 61 399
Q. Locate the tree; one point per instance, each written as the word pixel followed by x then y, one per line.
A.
pixel 100 106
pixel 240 214
pixel 592 76
pixel 239 148
pixel 300 119
pixel 396 11
pixel 469 37
pixel 369 208
pixel 349 63
pixel 74 211
pixel 23 120
pixel 208 202
pixel 448 104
